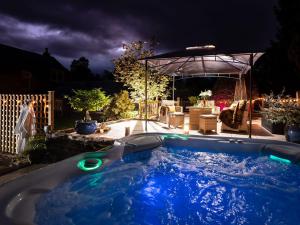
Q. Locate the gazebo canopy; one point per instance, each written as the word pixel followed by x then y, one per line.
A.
pixel 203 61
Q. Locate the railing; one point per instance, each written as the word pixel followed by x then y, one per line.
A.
pixel 10 107
pixel 153 107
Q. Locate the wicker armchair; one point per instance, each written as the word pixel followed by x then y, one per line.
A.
pixel 165 110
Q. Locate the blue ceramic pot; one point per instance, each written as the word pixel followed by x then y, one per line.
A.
pixel 293 134
pixel 85 127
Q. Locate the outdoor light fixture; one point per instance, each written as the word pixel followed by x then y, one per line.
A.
pixel 89 164
pixel 282 160
pixel 175 136
pixel 201 47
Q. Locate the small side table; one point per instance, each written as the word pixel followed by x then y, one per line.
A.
pixel 208 123
pixel 176 119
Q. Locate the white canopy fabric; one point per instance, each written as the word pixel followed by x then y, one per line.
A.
pixel 202 63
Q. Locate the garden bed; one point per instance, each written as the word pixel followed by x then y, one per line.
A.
pixel 72 143
pixel 9 163
pixel 59 146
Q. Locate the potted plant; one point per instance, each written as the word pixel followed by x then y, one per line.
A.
pixel 284 113
pixel 273 118
pixel 204 95
pixel 292 115
pixel 86 101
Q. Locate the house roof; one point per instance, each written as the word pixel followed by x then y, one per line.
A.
pixel 15 58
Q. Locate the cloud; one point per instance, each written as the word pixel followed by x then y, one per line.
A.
pixel 96 29
pixel 66 43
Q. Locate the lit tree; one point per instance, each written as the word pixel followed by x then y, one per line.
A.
pixel 131 72
pixel 88 100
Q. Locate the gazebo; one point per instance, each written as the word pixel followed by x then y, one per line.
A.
pixel 203 61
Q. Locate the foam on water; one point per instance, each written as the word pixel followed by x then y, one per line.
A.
pixel 178 186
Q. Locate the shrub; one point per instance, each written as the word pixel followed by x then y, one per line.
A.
pixel 36 150
pixel 281 109
pixel 88 100
pixel 121 106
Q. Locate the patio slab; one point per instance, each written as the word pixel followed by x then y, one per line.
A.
pixel 138 126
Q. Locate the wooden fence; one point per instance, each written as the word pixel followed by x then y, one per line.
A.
pixel 10 105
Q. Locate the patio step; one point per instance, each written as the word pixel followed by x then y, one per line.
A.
pixel 139 128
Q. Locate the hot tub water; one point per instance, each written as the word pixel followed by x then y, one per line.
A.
pixel 176 185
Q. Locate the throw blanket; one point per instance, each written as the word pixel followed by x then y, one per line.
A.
pixel 233 116
pixel 25 127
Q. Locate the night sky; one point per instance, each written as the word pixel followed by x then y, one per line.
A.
pixel 96 29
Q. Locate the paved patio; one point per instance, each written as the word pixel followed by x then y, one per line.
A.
pixel 138 126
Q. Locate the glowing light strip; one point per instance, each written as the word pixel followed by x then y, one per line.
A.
pixel 81 164
pixel 275 158
pixel 176 136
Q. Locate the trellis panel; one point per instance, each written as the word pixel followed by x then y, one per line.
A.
pixel 10 107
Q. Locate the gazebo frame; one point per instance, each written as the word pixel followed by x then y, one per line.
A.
pixel 202 62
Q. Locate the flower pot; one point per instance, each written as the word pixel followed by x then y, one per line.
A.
pixel 293 134
pixel 85 127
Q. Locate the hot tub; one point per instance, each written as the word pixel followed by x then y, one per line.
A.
pixel 162 179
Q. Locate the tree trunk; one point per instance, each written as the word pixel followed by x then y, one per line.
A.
pixel 140 110
pixel 87 115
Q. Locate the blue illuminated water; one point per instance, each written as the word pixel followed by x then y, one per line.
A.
pixel 178 186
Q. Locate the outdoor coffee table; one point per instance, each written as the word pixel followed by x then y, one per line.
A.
pixel 176 119
pixel 208 122
pixel 195 113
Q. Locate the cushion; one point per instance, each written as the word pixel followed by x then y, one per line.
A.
pixel 242 105
pixel 233 105
pixel 171 108
pixel 235 113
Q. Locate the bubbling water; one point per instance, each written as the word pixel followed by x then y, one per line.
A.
pixel 178 186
